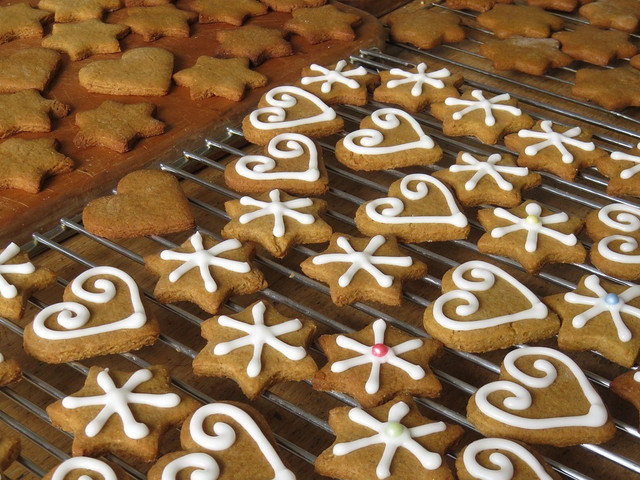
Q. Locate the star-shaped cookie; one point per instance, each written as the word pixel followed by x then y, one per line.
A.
pixel 277 221
pixel 218 77
pixel 622 169
pixel 234 13
pixel 477 5
pixel 83 39
pixel 619 14
pixel 377 363
pixel 290 5
pixel 340 83
pixel 324 23
pixel 509 20
pixel 28 111
pixel 117 126
pixel 255 43
pixel 426 28
pixel 28 68
pixel 78 10
pixel 257 347
pixel 614 88
pixel 146 407
pixel 595 45
pixel 534 56
pixel 156 22
pixel 557 5
pixel 22 21
pixel 205 272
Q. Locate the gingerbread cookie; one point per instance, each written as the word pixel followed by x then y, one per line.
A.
pixel 321 24
pixel 83 39
pixel 622 168
pixel 293 163
pixel 85 468
pixel 28 68
pixel 257 347
pixel 10 372
pixel 349 263
pixel 534 56
pixel 532 235
pixel 635 61
pixel 619 14
pixel 107 316
pixel 477 5
pixel 376 363
pixel 595 45
pixel 78 10
pixel 20 20
pixel 28 111
pixel 614 88
pixel 627 386
pixel 509 20
pixel 487 119
pixel 290 5
pixel 559 5
pixel 140 71
pixel 339 83
pixel 558 149
pixel 277 221
pixel 234 13
pixel 483 308
pixel 289 109
pixel 542 379
pixel 419 208
pixel 145 3
pixel 495 179
pixel 205 272
pixel 157 21
pixel 117 126
pixel 414 89
pixel 9 450
pixel 258 44
pixel 390 441
pixel 124 413
pixel 426 28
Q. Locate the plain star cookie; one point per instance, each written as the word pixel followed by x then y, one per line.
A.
pixel 22 21
pixel 477 5
pixel 509 20
pixel 618 14
pixel 84 39
pixel 534 56
pixel 78 10
pixel 290 5
pixel 258 44
pixel 28 111
pixel 426 28
pixel 157 21
pixel 614 88
pixel 234 13
pixel 595 45
pixel 321 24
pixel 28 68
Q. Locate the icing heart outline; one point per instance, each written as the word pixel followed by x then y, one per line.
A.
pixel 394 206
pixel 72 316
pixel 521 398
pixel 486 273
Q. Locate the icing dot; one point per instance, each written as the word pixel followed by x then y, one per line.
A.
pixel 532 219
pixel 379 350
pixel 611 299
pixel 394 429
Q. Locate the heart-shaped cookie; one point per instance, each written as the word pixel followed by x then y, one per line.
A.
pixel 529 401
pixel 419 208
pixel 388 138
pixel 102 313
pixel 141 71
pixel 148 202
pixel 483 308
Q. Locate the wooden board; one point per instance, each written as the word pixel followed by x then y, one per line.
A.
pixel 188 122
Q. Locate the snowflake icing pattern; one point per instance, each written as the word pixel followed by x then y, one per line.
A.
pixel 551 138
pixel 418 79
pixel 631 171
pixel 279 210
pixel 329 77
pixel 487 168
pixel 6 289
pixel 488 105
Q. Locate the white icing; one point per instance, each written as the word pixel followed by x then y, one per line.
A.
pixel 337 75
pixel 555 139
pixel 279 99
pixel 487 105
pixel 257 335
pixel 83 463
pixel 364 260
pixel 279 210
pixel 483 279
pixel 6 289
pixel 225 436
pixel 420 78
pixel 599 305
pixel 203 259
pixel 1 358
pixel 263 166
pixel 206 467
pixel 393 207
pixel 505 470
pixel 116 400
pixel 627 218
pixel 73 316
pixel 631 171
pixel 533 229
pixel 520 398
pixel 636 376
pixel 429 460
pixel 366 356
pixel 627 245
pixel 490 168
pixel 369 139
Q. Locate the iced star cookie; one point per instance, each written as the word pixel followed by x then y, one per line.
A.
pixel 277 221
pixel 28 68
pixel 426 28
pixel 622 169
pixel 205 272
pixel 20 20
pixel 414 89
pixel 257 347
pixel 532 235
pixel 377 363
pixel 28 111
pixel 78 10
pixel 483 308
pixel 388 138
pixel 19 278
pixel 627 386
pixel 553 148
pixel 529 401
pixel 321 24
pixel 258 44
pixel 83 39
pixel 390 441
pixel 419 208
pixel 508 20
pixel 102 312
pixel 495 179
pixel 157 21
pixel 124 413
pixel 290 109
pixel 87 468
pixel 234 13
pixel 486 118
pixel 363 269
pixel 340 83
pixel 292 163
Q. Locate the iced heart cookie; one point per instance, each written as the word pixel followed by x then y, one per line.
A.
pixel 292 163
pixel 377 363
pixel 627 386
pixel 388 138
pixel 102 312
pixel 622 169
pixel 289 109
pixel 419 208
pixel 28 111
pixel 339 83
pixel 148 202
pixel 483 308
pixel 28 68
pixel 86 468
pixel 529 402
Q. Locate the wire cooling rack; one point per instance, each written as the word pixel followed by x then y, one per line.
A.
pixel 297 413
